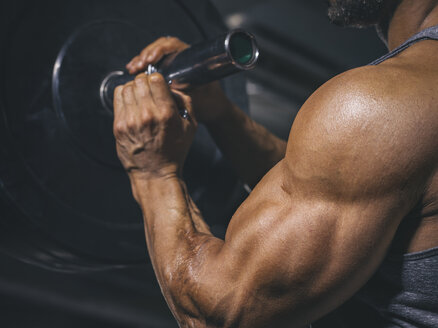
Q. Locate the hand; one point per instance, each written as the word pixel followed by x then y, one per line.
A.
pixel 152 138
pixel 209 101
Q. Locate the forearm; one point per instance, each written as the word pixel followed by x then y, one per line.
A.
pixel 179 242
pixel 251 148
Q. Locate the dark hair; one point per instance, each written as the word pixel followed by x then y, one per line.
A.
pixel 358 13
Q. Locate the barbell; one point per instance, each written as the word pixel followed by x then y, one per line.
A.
pixel 65 201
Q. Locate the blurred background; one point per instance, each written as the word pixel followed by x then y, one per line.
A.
pixel 300 50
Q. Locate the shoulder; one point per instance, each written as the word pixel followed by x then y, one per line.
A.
pixel 382 102
pixel 368 122
pixel 368 93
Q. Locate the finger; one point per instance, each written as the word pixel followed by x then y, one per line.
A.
pixel 128 95
pixel 163 45
pixel 130 107
pixel 143 95
pixel 162 96
pixel 171 102
pixel 167 46
pixel 118 102
pixel 119 123
pixel 133 65
pixel 155 52
pixel 130 66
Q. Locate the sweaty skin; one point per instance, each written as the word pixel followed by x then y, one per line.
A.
pixel 361 159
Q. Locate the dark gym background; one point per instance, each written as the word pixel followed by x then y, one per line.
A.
pixel 300 50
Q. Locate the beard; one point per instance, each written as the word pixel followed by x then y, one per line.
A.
pixel 357 13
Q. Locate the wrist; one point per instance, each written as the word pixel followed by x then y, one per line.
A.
pixel 146 181
pixel 148 174
pixel 160 196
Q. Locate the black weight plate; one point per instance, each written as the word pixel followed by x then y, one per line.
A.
pixel 59 168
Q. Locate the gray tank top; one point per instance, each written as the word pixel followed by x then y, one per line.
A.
pixel 404 290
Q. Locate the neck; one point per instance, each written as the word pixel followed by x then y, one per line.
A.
pixel 409 18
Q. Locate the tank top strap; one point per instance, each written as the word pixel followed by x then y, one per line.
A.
pixel 430 33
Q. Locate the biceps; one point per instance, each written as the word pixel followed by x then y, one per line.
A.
pixel 306 257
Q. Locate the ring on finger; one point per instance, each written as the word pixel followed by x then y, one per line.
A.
pixel 184 113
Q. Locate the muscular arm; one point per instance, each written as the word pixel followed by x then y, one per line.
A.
pixel 312 231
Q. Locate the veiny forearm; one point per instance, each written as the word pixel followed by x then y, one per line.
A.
pixel 251 148
pixel 178 241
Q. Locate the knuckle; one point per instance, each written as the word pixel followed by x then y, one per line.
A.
pixel 156 78
pixel 119 128
pixel 131 123
pixel 146 117
pixel 141 89
pixel 159 49
pixel 118 90
pixel 140 77
pixel 127 89
pixel 172 39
